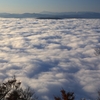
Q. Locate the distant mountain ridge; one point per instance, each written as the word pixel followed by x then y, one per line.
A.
pixel 52 15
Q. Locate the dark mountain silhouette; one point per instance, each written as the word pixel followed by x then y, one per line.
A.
pixel 24 15
pixel 52 15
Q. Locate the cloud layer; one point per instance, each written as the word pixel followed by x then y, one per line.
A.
pixel 48 55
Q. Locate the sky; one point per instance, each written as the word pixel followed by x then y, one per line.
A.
pixel 34 6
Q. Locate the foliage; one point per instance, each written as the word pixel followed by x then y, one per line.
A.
pixel 11 90
pixel 66 96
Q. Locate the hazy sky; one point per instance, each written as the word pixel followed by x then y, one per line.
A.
pixel 21 6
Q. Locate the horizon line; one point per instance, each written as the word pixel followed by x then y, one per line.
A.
pixel 51 12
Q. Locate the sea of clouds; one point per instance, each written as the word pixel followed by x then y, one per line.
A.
pixel 49 55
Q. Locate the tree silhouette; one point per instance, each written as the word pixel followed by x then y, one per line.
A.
pixel 65 96
pixel 11 90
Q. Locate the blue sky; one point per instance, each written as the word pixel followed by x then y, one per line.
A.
pixel 33 6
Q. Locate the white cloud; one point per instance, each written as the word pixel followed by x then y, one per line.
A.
pixel 49 55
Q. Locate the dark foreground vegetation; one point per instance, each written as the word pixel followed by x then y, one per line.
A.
pixel 12 90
